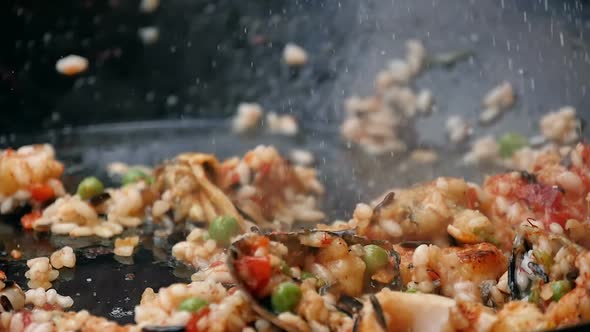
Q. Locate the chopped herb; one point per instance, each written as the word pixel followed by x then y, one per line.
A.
pixel 543 258
pixel 560 288
pixel 134 175
pixel 192 304
pixel 511 142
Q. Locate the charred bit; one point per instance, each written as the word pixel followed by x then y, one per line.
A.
pixel 528 177
pixel 5 303
pixel 388 199
pixel 355 327
pixel 538 271
pixel 349 305
pixel 378 311
pixel 97 200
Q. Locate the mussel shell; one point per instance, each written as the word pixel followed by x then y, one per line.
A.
pixel 378 311
pixel 523 242
pixel 12 297
pixel 349 305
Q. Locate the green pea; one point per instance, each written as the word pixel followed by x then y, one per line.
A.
pixel 510 142
pixel 560 288
pixel 285 297
pixel 375 257
pixel 223 228
pixel 89 187
pixel 192 304
pixel 134 175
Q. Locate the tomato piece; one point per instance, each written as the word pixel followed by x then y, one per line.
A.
pixel 264 169
pixel 232 290
pixel 191 326
pixel 433 275
pixel 559 217
pixel 494 183
pixel 540 196
pixel 26 318
pixel 255 271
pixel 42 192
pixel 28 219
pixel 582 176
pixel 215 264
pixel 262 242
pixel 326 239
pixel 472 201
pixel 586 154
pixel 50 307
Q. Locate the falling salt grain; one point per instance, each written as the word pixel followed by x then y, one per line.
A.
pixel 71 65
pixel 294 55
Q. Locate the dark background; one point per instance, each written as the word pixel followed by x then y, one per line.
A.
pixel 211 55
pixel 214 54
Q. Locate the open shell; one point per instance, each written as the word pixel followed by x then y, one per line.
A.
pixel 12 296
pixel 188 183
pixel 305 250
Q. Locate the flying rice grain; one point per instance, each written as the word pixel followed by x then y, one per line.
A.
pixel 294 55
pixel 71 65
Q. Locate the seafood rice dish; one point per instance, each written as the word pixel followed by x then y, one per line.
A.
pixel 508 254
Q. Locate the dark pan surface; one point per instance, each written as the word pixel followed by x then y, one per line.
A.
pixel 540 46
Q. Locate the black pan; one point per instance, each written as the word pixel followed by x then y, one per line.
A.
pixel 540 46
